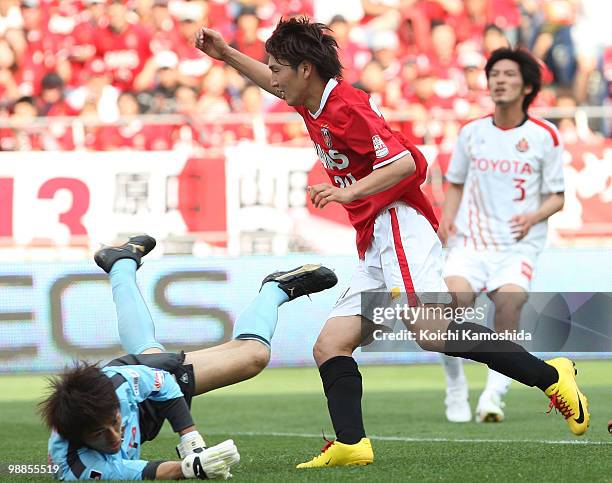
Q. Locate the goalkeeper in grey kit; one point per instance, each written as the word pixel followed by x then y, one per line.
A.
pixel 100 416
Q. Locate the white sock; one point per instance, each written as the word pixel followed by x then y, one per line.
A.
pixel 455 377
pixel 497 383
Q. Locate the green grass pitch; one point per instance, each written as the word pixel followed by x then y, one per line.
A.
pixel 276 420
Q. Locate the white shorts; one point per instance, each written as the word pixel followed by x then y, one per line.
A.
pixel 489 269
pixel 405 256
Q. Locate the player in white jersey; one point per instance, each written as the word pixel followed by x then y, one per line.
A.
pixel 505 181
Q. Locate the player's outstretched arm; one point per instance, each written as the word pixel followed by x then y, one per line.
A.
pixel 214 45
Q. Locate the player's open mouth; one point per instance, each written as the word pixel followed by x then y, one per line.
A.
pixel 282 94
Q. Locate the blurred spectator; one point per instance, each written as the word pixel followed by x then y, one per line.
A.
pixel 23 136
pixel 409 73
pixel 571 130
pixel 475 15
pixel 591 36
pixel 372 81
pixel 128 135
pixel 506 14
pixel 246 38
pixel 352 55
pixel 442 56
pixel 384 51
pixel 162 27
pixel 251 102
pixel 96 91
pixel 51 101
pixel 133 133
pixel 417 58
pixel 473 99
pixel 197 130
pixel 213 100
pixel 8 68
pixel 161 99
pixel 288 132
pixel 88 136
pixel 471 22
pixel 607 72
pixel 191 133
pixel 10 16
pixel 123 46
pixel 567 125
pixel 144 10
pixel 381 15
pixel 440 10
pixel 192 64
pixel 445 69
pixel 494 38
pixel 414 30
pixel 426 107
pixel 553 44
pixel 82 41
pixel 234 83
pixel 37 49
pixel 186 101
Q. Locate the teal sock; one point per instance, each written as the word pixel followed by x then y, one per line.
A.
pixel 136 327
pixel 258 320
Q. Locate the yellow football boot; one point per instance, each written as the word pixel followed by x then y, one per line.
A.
pixel 335 453
pixel 566 397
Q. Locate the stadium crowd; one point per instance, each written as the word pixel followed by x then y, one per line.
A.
pixel 105 61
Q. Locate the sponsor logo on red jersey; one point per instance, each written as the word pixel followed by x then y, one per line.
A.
pixel 380 148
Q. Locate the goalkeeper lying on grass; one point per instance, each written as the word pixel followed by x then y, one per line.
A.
pixel 100 417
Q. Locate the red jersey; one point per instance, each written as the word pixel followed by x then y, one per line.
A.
pixel 352 139
pixel 124 53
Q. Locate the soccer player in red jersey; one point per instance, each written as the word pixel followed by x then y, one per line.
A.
pixel 376 175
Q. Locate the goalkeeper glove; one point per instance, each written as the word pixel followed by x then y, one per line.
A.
pixel 190 443
pixel 212 463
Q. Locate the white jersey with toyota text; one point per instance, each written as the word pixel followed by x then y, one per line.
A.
pixel 505 172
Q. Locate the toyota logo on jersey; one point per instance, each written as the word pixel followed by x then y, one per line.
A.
pixel 326 137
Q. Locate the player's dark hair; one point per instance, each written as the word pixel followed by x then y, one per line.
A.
pixel 528 65
pixel 298 39
pixel 81 399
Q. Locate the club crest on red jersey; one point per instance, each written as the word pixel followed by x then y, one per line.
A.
pixel 522 146
pixel 326 137
pixel 380 148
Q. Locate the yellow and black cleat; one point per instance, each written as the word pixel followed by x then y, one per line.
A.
pixel 335 453
pixel 566 397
